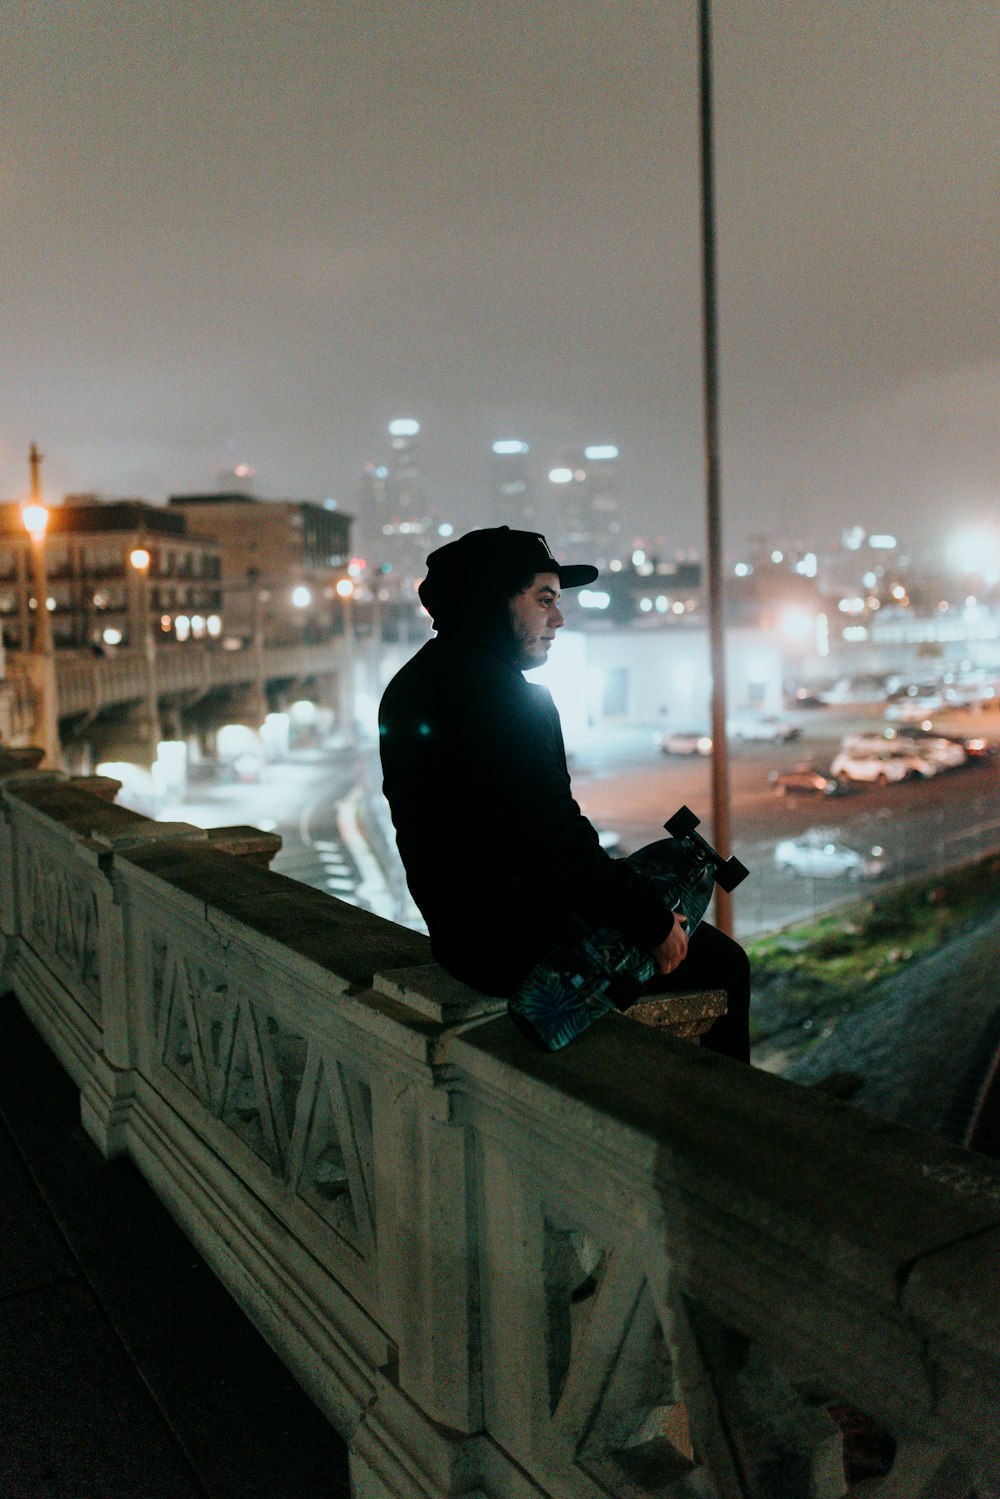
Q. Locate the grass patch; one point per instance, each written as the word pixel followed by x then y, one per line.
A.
pixel 832 965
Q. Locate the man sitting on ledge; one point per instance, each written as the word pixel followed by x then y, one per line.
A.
pixel 498 856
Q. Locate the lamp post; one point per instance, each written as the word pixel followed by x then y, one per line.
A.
pixel 35 516
pixel 140 559
pixel 713 505
pixel 345 677
pixel 259 702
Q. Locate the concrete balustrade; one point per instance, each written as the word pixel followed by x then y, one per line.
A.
pixel 632 1268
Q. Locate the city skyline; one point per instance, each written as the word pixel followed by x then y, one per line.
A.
pixel 245 237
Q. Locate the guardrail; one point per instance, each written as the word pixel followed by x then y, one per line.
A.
pixel 633 1268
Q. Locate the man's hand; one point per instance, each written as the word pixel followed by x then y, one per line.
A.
pixel 673 949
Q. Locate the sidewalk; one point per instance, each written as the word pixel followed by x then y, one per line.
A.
pixel 127 1372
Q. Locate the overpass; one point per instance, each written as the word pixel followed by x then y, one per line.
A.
pixel 88 685
pixel 632 1268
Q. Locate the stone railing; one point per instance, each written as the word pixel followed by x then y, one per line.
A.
pixel 629 1269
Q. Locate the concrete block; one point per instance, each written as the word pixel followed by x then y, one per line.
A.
pixel 433 992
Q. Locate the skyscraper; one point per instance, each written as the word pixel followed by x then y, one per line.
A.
pixel 512 496
pixel 397 525
pixel 585 490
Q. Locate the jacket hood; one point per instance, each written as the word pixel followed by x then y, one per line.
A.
pixel 470 581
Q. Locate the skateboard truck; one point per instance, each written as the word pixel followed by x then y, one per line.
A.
pixel 727 873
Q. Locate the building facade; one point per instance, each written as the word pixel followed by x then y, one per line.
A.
pixel 282 562
pixel 97 595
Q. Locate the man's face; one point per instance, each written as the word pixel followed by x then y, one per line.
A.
pixel 535 616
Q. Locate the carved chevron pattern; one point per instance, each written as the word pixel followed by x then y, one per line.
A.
pixel 649 1395
pixel 288 1098
pixel 612 1391
pixel 63 920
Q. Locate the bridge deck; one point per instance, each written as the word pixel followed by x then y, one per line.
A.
pixel 127 1368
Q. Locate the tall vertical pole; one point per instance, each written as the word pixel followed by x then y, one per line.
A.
pixel 716 600
pixel 141 559
pixel 41 654
pixel 43 624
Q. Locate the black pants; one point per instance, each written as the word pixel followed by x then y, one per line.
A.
pixel 715 961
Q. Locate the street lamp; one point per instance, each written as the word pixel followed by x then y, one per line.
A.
pixel 344 589
pixel 140 559
pixel 35 517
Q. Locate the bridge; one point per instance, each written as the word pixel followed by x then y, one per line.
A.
pixel 632 1268
pixel 88 685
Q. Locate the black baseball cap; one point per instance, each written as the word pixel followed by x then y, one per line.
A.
pixel 496 554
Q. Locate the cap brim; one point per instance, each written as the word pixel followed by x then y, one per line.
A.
pixel 577 574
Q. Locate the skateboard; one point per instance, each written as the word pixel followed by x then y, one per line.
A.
pixel 586 972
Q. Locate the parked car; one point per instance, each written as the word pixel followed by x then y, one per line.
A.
pixel 803 780
pixel 978 747
pixel 765 727
pixel 803 697
pixel 877 770
pixel 870 741
pixel 914 709
pixel 915 761
pixel 686 742
pixel 949 750
pixel 944 754
pixel 820 855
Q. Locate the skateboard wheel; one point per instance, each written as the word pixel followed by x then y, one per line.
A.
pixel 731 873
pixel 682 823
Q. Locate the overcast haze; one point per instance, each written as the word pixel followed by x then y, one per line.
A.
pixel 255 232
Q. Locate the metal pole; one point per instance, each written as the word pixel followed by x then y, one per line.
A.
pixel 716 601
pixel 39 572
pixel 41 652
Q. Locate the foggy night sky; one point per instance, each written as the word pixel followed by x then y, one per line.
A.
pixel 255 231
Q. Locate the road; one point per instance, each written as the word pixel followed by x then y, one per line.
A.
pixel 312 799
pixel 318 802
pixel 627 784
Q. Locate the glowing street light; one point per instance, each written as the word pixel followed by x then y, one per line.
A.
pixel 36 521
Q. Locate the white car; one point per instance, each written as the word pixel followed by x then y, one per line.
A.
pixel 946 753
pixel 943 754
pixel 877 770
pixel 914 709
pixel 820 856
pixel 686 742
pixel 915 760
pixel 870 742
pixel 762 726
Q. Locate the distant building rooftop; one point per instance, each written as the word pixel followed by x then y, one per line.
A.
pixel 114 515
pixel 217 497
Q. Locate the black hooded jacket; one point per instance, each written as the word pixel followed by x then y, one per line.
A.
pixel 496 851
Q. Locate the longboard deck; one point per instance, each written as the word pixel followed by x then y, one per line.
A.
pixel 579 978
